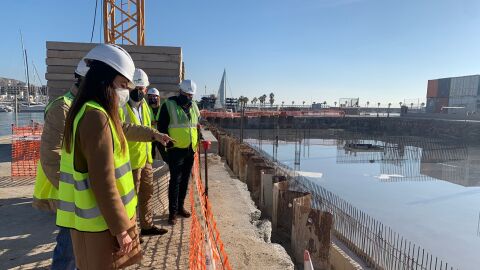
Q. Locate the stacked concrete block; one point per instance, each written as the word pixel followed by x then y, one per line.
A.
pixel 162 64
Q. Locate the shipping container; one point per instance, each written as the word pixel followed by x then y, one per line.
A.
pixel 440 103
pixel 464 86
pixel 430 108
pixel 435 105
pixel 444 87
pixel 468 102
pixel 432 88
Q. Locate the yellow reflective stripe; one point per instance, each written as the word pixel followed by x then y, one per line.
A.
pixel 92 212
pixel 84 184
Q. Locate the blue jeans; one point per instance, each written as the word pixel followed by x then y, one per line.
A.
pixel 63 258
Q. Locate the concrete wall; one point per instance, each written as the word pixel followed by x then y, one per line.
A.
pixel 398 126
pixel 162 64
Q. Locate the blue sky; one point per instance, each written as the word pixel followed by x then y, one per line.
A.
pixel 312 50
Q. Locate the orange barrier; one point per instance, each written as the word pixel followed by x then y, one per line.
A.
pixel 25 149
pixel 206 248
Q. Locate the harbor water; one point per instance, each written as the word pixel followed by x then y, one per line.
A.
pixel 426 190
pixel 24 118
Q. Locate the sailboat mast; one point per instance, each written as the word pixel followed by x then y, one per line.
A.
pixel 28 79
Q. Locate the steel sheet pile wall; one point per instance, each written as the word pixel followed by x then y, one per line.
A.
pixel 162 64
pixel 463 93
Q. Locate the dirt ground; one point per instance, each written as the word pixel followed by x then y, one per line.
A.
pixel 236 217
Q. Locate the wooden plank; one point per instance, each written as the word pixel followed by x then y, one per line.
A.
pixel 165 87
pixel 167 94
pixel 62 62
pixel 157 65
pixel 59 84
pixel 56 92
pixel 70 46
pixel 60 77
pixel 78 46
pixel 160 72
pixel 66 54
pixel 148 57
pixel 170 80
pixel 61 69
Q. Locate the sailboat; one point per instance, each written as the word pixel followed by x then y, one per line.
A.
pixel 220 101
pixel 29 106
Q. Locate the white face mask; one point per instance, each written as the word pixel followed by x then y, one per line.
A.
pixel 123 95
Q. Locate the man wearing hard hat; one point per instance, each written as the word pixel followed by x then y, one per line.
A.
pixel 137 112
pixel 179 117
pixel 153 98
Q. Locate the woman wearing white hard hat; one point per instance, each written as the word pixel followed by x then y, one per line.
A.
pixel 97 199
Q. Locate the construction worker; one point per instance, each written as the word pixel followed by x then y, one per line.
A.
pixel 136 111
pixel 179 118
pixel 153 98
pixel 96 196
pixel 48 172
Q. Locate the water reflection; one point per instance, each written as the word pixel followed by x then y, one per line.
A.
pixel 399 158
pixel 425 189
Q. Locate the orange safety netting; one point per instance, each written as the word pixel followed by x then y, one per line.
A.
pixel 25 149
pixel 206 248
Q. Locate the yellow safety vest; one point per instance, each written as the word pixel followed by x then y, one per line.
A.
pixel 140 152
pixel 77 205
pixel 156 116
pixel 181 129
pixel 44 190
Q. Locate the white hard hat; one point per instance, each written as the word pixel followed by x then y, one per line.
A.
pixel 82 68
pixel 116 57
pixel 140 78
pixel 188 86
pixel 153 91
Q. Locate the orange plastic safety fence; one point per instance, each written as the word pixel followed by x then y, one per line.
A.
pixel 25 149
pixel 206 247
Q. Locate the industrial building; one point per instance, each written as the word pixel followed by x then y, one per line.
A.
pixel 456 95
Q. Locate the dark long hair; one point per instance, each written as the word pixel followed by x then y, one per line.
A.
pixel 97 86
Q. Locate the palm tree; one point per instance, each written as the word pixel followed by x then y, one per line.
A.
pixel 283 102
pixel 335 103
pixel 303 103
pixel 272 99
pixel 423 104
pixel 262 99
pixel 254 100
pixel 411 105
pixel 293 102
pixel 378 108
pixel 388 112
pixel 400 103
pixel 368 103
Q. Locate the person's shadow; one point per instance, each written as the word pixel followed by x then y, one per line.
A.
pixel 27 235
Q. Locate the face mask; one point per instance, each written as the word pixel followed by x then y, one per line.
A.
pixel 123 95
pixel 136 95
pixel 152 100
pixel 184 101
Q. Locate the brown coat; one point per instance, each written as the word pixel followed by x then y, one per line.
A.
pixel 51 147
pixel 94 153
